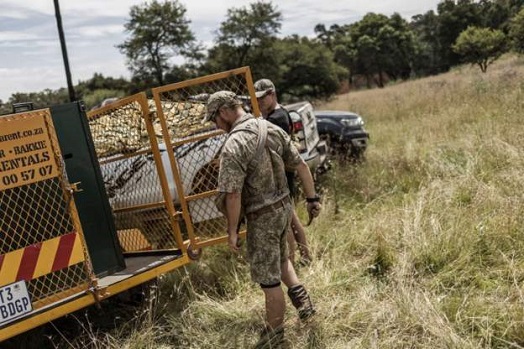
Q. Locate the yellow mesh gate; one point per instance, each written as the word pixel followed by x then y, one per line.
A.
pixel 160 163
pixel 125 137
pixel 42 250
pixel 193 149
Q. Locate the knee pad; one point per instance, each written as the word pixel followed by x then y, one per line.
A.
pixel 270 286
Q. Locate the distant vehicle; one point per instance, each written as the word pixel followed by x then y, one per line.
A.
pixel 105 102
pixel 344 132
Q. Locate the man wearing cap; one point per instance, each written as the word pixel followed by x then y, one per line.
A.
pixel 273 112
pixel 252 176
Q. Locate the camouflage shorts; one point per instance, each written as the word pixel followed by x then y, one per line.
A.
pixel 267 244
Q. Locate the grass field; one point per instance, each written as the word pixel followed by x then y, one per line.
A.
pixel 420 246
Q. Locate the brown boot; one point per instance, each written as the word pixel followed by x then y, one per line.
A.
pixel 301 301
pixel 271 338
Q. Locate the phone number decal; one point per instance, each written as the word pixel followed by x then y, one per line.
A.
pixel 25 152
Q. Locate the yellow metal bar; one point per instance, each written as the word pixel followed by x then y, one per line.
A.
pixel 214 241
pixel 139 97
pixel 199 80
pixel 197 138
pixel 251 88
pixel 160 204
pixel 201 195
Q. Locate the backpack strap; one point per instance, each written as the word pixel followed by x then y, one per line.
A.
pixel 262 137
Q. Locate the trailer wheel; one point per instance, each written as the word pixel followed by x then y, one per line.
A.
pixel 194 253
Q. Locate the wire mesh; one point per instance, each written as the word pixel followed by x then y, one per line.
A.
pixel 41 239
pixel 132 169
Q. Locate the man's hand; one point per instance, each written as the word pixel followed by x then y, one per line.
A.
pixel 313 210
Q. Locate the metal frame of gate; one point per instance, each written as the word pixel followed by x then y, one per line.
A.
pixel 180 109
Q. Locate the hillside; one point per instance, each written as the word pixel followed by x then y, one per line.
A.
pixel 421 246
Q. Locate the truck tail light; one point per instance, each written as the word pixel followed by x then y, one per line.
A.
pixel 298 126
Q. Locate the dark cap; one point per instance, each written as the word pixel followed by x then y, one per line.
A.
pixel 217 100
pixel 263 86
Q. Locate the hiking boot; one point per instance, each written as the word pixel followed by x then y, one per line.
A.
pixel 271 338
pixel 301 301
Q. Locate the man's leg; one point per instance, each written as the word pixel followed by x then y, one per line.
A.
pixel 296 292
pixel 291 244
pixel 273 334
pixel 300 237
pixel 275 306
pixel 289 276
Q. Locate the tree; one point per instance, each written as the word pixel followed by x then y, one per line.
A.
pixel 516 32
pixel 453 18
pixel 158 32
pixel 247 37
pixel 481 46
pixel 100 82
pixel 427 58
pixel 307 70
pixel 376 46
pixel 42 99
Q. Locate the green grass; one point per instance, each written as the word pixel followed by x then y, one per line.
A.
pixel 420 246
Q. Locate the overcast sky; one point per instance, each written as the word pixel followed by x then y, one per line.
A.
pixel 31 59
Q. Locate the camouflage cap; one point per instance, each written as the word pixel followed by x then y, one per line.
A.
pixel 217 100
pixel 263 86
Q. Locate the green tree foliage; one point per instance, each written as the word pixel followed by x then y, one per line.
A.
pixel 247 37
pixel 427 60
pixel 481 46
pixel 100 82
pixel 41 99
pixel 307 70
pixel 375 46
pixel 453 18
pixel 330 37
pixel 516 32
pixel 497 14
pixel 158 32
pixel 96 97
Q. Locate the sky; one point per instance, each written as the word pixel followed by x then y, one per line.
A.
pixel 31 58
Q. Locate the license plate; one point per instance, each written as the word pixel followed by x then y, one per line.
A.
pixel 14 301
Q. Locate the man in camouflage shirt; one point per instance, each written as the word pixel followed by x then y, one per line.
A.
pixel 273 112
pixel 252 177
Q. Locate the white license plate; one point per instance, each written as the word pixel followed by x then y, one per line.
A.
pixel 14 301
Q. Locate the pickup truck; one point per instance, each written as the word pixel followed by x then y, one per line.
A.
pixel 345 133
pixel 312 149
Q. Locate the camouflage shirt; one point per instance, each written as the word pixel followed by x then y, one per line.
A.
pixel 262 181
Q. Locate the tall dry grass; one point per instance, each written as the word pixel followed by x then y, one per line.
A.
pixel 421 246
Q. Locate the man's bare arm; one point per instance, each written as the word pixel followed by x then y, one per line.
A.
pixel 233 204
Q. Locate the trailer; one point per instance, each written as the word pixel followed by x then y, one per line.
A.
pixel 95 203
